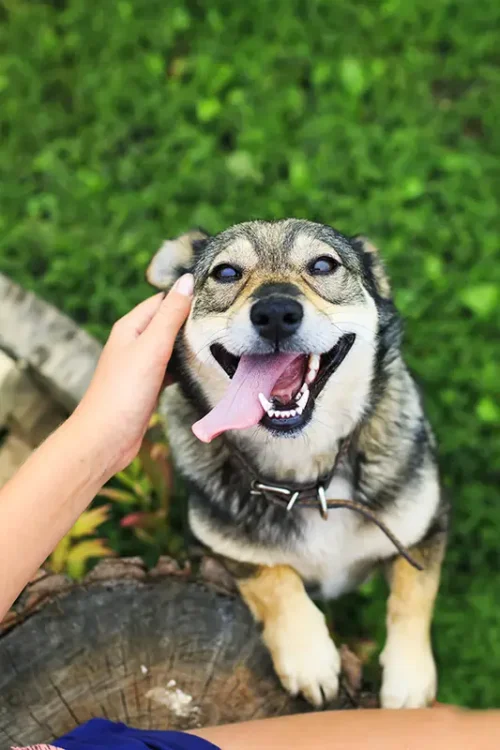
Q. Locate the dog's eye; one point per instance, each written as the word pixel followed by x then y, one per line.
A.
pixel 323 266
pixel 226 273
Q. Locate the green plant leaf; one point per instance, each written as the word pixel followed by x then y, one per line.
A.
pixel 118 496
pixel 132 483
pixel 352 75
pixel 58 558
pixel 488 411
pixel 241 165
pixel 157 465
pixel 81 553
pixel 481 299
pixel 208 109
pixel 89 521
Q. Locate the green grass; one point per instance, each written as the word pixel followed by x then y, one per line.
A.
pixel 127 121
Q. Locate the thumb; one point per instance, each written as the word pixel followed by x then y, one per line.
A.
pixel 170 316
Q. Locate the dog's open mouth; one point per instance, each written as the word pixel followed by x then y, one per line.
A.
pixel 276 390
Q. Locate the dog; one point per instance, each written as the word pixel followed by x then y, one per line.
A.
pixel 292 391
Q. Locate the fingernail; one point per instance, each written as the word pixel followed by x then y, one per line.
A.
pixel 185 285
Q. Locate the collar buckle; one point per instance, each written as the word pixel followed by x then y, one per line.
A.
pixel 259 488
pixel 322 502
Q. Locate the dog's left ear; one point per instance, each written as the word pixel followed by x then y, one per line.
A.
pixel 373 265
pixel 174 258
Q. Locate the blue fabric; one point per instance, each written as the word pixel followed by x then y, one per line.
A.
pixel 101 734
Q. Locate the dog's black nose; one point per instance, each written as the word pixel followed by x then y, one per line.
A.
pixel 276 317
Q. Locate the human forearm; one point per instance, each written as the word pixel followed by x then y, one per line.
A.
pixel 363 730
pixel 42 502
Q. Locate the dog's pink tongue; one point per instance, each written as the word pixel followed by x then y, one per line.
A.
pixel 240 406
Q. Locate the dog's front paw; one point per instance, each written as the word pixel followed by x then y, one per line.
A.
pixel 409 677
pixel 304 655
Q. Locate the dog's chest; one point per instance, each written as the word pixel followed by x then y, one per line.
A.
pixel 330 552
pixel 339 552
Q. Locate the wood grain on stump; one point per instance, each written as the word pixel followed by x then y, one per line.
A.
pixel 151 650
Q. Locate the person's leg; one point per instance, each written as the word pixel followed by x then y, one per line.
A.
pixel 432 729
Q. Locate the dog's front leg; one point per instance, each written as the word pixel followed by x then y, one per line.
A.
pixel 295 632
pixel 409 678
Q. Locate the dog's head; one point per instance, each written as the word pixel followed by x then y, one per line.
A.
pixel 284 331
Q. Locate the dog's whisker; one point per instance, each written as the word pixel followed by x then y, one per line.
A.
pixel 216 337
pixel 353 328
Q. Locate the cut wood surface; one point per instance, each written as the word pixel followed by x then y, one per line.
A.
pixel 157 650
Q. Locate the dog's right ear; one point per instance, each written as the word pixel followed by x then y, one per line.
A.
pixel 174 258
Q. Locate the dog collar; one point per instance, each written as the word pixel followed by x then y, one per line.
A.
pixel 292 495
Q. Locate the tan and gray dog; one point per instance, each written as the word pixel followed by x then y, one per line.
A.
pixel 291 390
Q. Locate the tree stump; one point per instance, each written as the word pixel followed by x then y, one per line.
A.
pixel 156 650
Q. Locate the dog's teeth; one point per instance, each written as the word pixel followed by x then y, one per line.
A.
pixel 265 403
pixel 292 413
pixel 311 376
pixel 314 362
pixel 313 367
pixel 271 413
pixel 304 398
pixel 299 409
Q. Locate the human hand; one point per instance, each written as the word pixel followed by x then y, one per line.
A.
pixel 115 411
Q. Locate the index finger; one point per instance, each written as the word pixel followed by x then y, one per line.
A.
pixel 169 317
pixel 136 321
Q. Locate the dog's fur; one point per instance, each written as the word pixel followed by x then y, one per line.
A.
pixel 390 465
